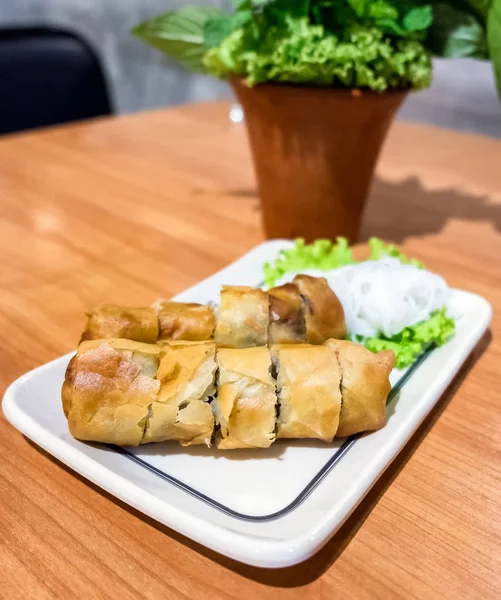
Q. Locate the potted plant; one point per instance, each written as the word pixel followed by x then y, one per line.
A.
pixel 320 82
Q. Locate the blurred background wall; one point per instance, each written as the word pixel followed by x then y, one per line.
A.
pixel 463 94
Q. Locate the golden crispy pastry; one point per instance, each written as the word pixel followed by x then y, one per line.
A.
pixel 308 384
pixel 324 314
pixel 108 387
pixel 180 343
pixel 365 386
pixel 287 319
pixel 245 407
pixel 181 410
pixel 243 317
pixel 109 321
pixel 185 321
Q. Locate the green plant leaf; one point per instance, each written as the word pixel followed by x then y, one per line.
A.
pixel 467 41
pixel 381 10
pixel 295 8
pixel 494 39
pixel 358 6
pixel 218 28
pixel 180 34
pixel 456 34
pixel 391 27
pixel 386 17
pixel 418 18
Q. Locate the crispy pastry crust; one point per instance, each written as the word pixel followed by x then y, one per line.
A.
pixel 308 384
pixel 182 411
pixel 324 314
pixel 287 318
pixel 109 321
pixel 108 387
pixel 245 407
pixel 185 321
pixel 243 317
pixel 365 386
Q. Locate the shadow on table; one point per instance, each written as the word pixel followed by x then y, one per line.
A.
pixel 403 209
pixel 314 567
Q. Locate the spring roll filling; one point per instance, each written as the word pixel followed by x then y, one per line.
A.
pixel 245 405
pixel 182 410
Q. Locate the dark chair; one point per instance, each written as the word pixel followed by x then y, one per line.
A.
pixel 47 77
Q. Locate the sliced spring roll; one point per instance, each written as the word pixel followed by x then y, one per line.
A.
pixel 365 386
pixel 108 387
pixel 243 317
pixel 287 318
pixel 109 321
pixel 184 321
pixel 308 384
pixel 245 406
pixel 181 411
pixel 324 314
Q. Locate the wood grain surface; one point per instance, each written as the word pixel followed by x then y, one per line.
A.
pixel 126 210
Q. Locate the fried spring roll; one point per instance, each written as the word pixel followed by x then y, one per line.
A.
pixel 108 387
pixel 127 393
pixel 365 386
pixel 324 314
pixel 308 384
pixel 109 321
pixel 243 317
pixel 181 410
pixel 184 321
pixel 245 406
pixel 287 318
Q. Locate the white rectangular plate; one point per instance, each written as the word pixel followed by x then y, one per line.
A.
pixel 269 508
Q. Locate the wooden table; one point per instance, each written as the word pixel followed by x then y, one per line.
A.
pixel 129 209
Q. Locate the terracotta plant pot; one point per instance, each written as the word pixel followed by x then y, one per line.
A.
pixel 314 153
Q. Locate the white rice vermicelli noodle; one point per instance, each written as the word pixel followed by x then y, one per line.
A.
pixel 384 296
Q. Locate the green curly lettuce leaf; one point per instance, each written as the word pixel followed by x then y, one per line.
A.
pixel 322 255
pixel 325 255
pixel 413 340
pixel 294 50
pixel 378 248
